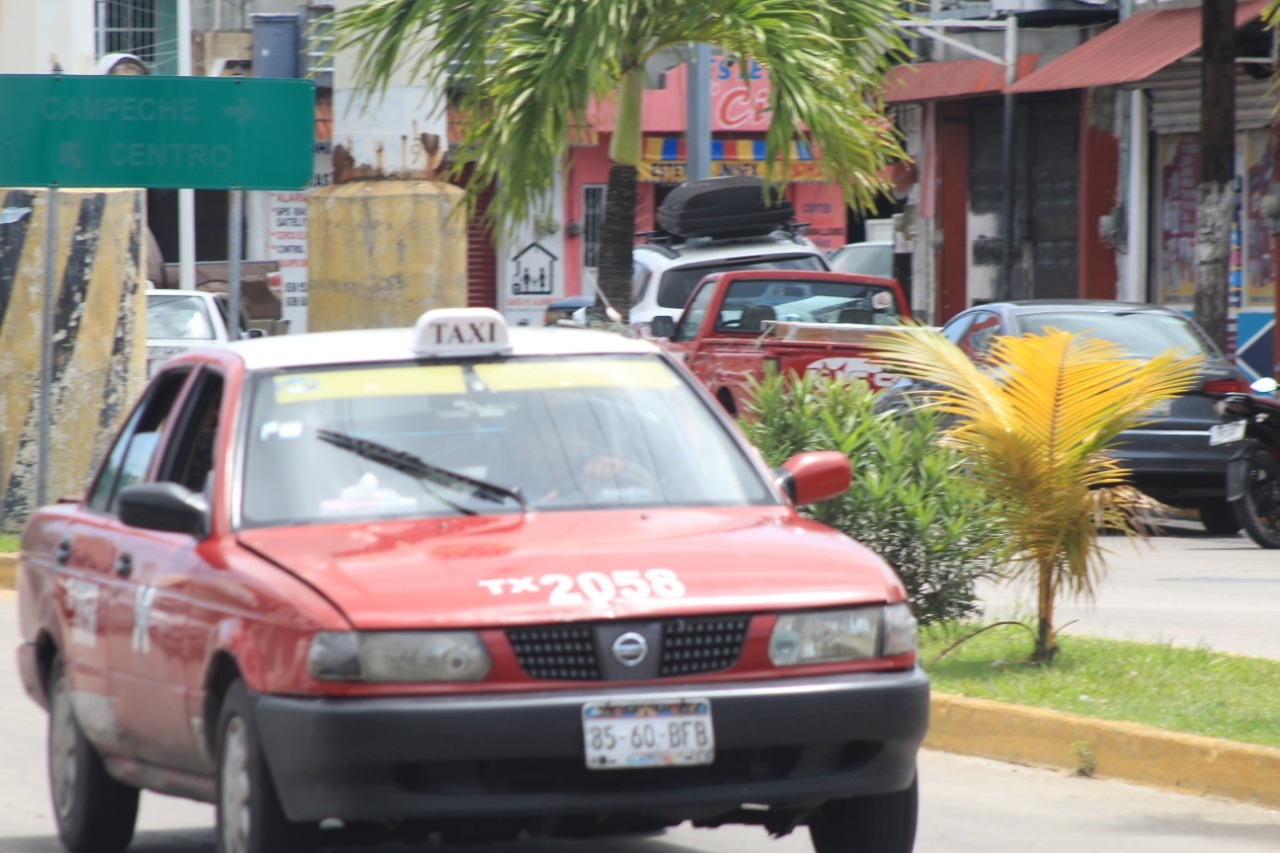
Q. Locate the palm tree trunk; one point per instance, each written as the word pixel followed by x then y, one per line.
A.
pixel 618 232
pixel 1045 646
pixel 617 237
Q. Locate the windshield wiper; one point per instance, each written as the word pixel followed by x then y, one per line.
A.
pixel 407 463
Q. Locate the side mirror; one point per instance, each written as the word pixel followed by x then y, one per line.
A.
pixel 167 507
pixel 663 326
pixel 814 476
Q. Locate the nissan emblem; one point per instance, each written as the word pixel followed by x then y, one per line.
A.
pixel 630 648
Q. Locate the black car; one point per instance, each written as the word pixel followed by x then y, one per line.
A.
pixel 1169 457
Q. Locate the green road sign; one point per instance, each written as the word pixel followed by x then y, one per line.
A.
pixel 156 132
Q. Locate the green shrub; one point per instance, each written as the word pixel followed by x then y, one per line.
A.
pixel 910 501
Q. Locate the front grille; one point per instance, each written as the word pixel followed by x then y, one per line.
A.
pixel 567 651
pixel 701 645
pixel 688 646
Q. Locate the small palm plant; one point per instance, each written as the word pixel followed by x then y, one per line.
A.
pixel 1034 422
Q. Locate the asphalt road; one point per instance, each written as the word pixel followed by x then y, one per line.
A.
pixel 1185 588
pixel 967 804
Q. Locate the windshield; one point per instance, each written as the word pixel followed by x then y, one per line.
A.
pixel 678 282
pixel 865 259
pixel 572 433
pixel 1141 334
pixel 795 301
pixel 179 317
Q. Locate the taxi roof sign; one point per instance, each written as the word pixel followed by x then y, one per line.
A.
pixel 460 332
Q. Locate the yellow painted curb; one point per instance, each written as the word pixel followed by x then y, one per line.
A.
pixel 1144 755
pixel 8 570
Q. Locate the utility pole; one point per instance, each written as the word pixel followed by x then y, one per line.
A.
pixel 1216 199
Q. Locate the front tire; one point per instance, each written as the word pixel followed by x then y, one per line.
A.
pixel 250 818
pixel 94 812
pixel 1219 518
pixel 880 823
pixel 1258 509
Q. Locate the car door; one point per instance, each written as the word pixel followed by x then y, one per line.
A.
pixel 149 603
pixel 89 573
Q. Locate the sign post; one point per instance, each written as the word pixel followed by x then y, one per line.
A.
pixel 220 133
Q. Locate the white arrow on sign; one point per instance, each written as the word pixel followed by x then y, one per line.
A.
pixel 242 111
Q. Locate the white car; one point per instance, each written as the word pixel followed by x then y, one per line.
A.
pixel 664 274
pixel 178 320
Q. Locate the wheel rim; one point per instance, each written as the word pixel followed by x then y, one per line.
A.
pixel 236 788
pixel 62 750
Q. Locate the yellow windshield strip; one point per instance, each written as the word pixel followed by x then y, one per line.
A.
pixel 575 373
pixel 373 382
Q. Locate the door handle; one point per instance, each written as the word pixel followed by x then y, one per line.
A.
pixel 62 553
pixel 124 565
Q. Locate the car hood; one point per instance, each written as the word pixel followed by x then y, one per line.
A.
pixel 573 566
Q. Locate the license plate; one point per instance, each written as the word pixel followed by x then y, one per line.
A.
pixel 628 735
pixel 1226 433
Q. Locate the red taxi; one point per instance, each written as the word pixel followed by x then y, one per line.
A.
pixel 462 580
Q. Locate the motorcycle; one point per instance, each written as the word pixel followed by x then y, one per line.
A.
pixel 1253 472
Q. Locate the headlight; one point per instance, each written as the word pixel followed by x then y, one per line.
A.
pixel 399 656
pixel 842 635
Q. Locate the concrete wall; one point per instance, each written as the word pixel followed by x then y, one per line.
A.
pixel 382 252
pixel 33 35
pixel 99 352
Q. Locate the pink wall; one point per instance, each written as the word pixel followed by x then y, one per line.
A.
pixel 737 104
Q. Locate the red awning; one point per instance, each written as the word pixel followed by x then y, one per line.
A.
pixel 933 81
pixel 1132 50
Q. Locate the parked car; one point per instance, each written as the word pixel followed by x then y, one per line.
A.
pixel 178 320
pixel 468 580
pixel 867 258
pixel 1169 457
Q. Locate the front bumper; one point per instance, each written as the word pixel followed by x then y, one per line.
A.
pixel 789 743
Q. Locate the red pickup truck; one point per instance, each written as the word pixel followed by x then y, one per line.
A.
pixel 741 324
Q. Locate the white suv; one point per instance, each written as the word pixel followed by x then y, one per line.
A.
pixel 664 274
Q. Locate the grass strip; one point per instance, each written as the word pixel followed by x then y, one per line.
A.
pixel 1196 691
pixel 8 543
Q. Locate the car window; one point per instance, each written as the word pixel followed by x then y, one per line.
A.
pixel 530 426
pixel 678 282
pixel 955 328
pixel 179 317
pixel 1141 334
pixel 865 259
pixel 130 457
pixel 691 321
pixel 640 277
pixel 189 457
pixel 977 338
pixel 747 303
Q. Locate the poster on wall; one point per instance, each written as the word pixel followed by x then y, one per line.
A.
pixel 1260 152
pixel 1177 163
pixel 287 238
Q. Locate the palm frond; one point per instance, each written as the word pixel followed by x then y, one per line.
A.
pixel 531 69
pixel 1035 422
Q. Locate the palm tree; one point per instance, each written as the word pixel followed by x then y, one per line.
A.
pixel 1034 421
pixel 524 74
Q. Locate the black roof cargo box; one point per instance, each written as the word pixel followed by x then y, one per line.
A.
pixel 724 207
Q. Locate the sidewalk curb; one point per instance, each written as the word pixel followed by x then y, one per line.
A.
pixel 1143 755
